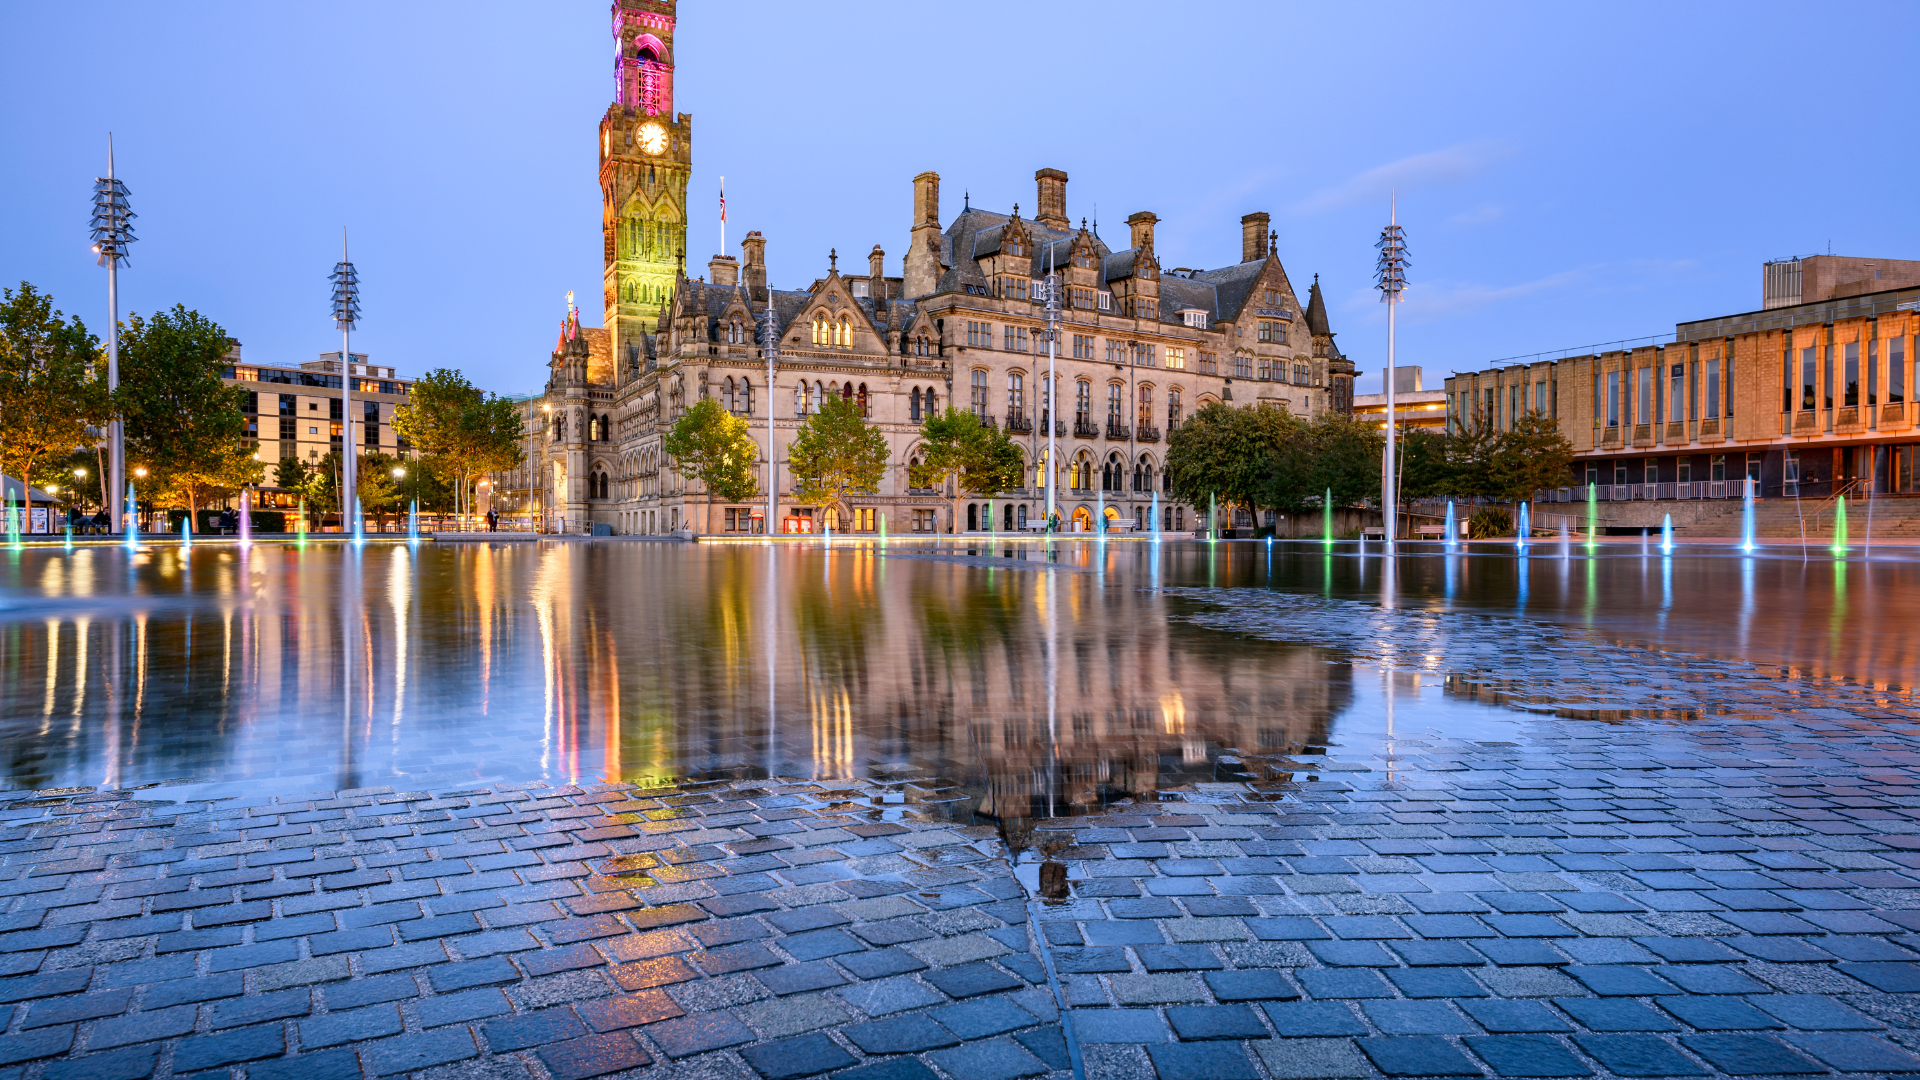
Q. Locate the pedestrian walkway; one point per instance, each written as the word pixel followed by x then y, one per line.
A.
pixel 1717 898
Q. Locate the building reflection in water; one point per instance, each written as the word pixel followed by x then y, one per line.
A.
pixel 1029 680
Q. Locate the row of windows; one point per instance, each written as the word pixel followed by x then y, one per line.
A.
pixel 1083 401
pixel 1852 392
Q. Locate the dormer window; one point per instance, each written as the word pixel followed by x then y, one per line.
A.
pixel 1014 247
pixel 1083 260
pixel 1195 318
pixel 1106 301
pixel 860 288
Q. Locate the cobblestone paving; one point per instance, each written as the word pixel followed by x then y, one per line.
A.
pixel 708 931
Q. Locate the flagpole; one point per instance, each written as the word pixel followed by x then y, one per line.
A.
pixel 723 215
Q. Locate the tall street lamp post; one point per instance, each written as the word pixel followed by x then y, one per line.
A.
pixel 346 312
pixel 1391 275
pixel 112 232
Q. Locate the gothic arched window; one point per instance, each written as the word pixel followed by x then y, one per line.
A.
pixel 726 393
pixel 744 397
pixel 1173 410
pixel 819 396
pixel 860 397
pixel 822 330
pixel 980 394
pixel 1146 406
pixel 913 404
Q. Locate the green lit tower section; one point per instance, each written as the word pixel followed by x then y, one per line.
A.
pixel 646 155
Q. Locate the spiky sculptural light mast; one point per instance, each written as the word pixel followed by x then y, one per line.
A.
pixel 1390 274
pixel 112 232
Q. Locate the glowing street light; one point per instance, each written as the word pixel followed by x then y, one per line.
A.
pixel 112 231
pixel 1390 275
pixel 346 313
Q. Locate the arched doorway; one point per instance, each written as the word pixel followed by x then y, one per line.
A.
pixel 973 517
pixel 1082 519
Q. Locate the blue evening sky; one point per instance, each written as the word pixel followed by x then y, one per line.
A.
pixel 1568 174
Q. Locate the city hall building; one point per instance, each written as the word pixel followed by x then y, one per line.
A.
pixel 1811 395
pixel 1140 346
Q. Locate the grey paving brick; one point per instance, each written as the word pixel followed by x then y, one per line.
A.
pixel 409 1053
pixel 133 1064
pixel 1748 1054
pixel 68 1010
pixel 1329 983
pixel 350 1025
pixel 400 957
pixel 1526 1055
pixel 989 1059
pixel 1813 1013
pixel 1313 1018
pixel 1504 1017
pixel 229 1048
pixel 885 996
pixel 149 1026
pixel 1311 1059
pixel 698 1034
pixel 1417 1056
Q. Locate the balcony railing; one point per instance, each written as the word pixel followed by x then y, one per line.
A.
pixel 1084 430
pixel 1118 432
pixel 1019 425
pixel 1147 434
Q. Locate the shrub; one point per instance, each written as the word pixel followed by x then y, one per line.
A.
pixel 1489 523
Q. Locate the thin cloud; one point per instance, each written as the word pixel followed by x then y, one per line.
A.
pixel 1479 215
pixel 1429 303
pixel 1450 165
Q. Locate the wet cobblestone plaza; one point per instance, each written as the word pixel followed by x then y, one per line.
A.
pixel 1605 816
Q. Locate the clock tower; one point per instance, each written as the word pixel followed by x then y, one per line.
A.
pixel 646 157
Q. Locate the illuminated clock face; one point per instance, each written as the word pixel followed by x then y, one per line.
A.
pixel 653 138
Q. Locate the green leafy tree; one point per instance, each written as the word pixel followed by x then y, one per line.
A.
pixel 1226 453
pixel 836 454
pixel 1470 458
pixel 1530 455
pixel 1331 453
pixel 53 391
pixel 290 473
pixel 378 489
pixel 1423 465
pixel 713 446
pixel 979 460
pixel 462 430
pixel 183 421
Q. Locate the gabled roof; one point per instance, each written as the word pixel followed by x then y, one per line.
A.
pixel 1233 285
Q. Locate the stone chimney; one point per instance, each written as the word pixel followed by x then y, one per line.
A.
pixel 755 249
pixel 723 270
pixel 1053 199
pixel 877 271
pixel 1253 236
pixel 923 250
pixel 1142 224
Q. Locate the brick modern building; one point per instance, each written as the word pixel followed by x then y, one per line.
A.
pixel 1813 398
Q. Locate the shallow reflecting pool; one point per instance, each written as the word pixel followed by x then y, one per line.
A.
pixel 1012 678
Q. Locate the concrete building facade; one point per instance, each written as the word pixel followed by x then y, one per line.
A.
pixel 1812 399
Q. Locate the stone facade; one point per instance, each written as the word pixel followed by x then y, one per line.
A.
pixel 1139 346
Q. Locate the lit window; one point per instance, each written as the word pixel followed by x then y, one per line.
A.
pixel 822 330
pixel 1176 358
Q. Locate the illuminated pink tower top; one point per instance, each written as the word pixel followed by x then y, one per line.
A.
pixel 643 68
